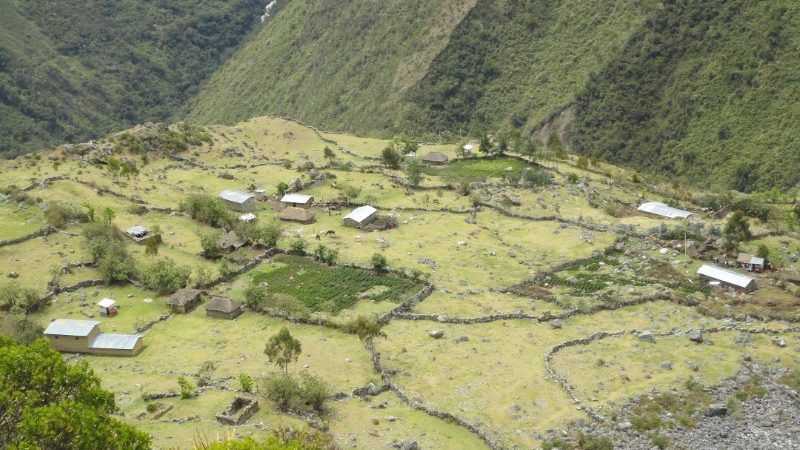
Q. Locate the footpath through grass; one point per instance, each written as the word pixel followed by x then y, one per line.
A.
pixel 322 287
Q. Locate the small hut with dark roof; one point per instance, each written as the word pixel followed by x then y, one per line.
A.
pixel 294 214
pixel 184 300
pixel 224 308
pixel 230 241
pixel 437 158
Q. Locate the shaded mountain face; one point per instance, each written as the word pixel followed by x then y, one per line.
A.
pixel 685 89
pixel 71 70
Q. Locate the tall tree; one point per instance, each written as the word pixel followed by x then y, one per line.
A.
pixel 282 349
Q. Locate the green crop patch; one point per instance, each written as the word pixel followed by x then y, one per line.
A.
pixel 315 284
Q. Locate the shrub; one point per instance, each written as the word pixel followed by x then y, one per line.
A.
pixel 533 177
pixel 791 379
pixel 207 209
pixel 378 262
pixel 763 251
pixel 314 392
pixel 186 387
pixel 364 328
pixel 27 299
pixel 116 265
pixel 284 390
pixel 326 255
pixel 589 442
pixel 391 157
pixel 572 177
pixel 266 234
pixel 246 381
pixel 58 214
pixel 414 173
pixel 26 330
pixel 165 276
pixel 298 246
pixel 210 243
pixel 658 440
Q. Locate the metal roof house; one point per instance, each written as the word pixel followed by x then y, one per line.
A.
pixel 751 263
pixel 438 158
pixel 292 214
pixel 238 200
pixel 84 336
pixel 727 277
pixel 108 307
pixel 298 200
pixel 660 209
pixel 360 216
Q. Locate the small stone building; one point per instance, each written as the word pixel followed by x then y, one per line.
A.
pixel 292 214
pixel 297 200
pixel 238 201
pixel 751 263
pixel 360 216
pixel 184 300
pixel 239 411
pixel 84 336
pixel 230 241
pixel 224 308
pixel 435 158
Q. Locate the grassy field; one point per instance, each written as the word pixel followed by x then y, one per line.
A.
pixel 490 374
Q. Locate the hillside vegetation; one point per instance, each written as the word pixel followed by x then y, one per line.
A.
pixel 704 88
pixel 71 70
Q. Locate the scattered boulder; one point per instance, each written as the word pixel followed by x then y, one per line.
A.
pixel 716 410
pixel 646 336
pixel 371 389
pixel 695 336
pixel 460 339
pixel 409 444
pixel 436 334
pixel 666 365
pixel 555 324
pixel 779 341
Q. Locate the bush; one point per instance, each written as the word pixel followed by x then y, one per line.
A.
pixel 298 246
pixel 27 299
pixel 207 209
pixel 532 177
pixel 58 214
pixel 108 250
pixel 165 276
pixel 378 262
pixel 364 328
pixel 284 390
pixel 763 251
pixel 210 243
pixel 589 442
pixel 187 388
pixel 314 392
pixel 572 177
pixel 26 330
pixel 266 234
pixel 391 157
pixel 326 255
pixel 246 381
pixel 658 440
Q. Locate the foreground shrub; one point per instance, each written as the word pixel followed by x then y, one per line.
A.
pixel 165 276
pixel 207 209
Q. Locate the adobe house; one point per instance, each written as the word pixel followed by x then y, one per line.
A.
pixel 140 234
pixel 751 263
pixel 292 214
pixel 360 216
pixel 84 336
pixel 184 300
pixel 230 241
pixel 435 158
pixel 224 308
pixel 238 200
pixel 297 200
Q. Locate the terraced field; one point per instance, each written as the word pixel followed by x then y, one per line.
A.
pixel 508 312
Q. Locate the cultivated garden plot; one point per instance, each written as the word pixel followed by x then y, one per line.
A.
pixel 502 299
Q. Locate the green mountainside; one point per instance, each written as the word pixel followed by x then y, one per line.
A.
pixel 708 91
pixel 680 88
pixel 71 70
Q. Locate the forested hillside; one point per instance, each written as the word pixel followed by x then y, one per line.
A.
pixel 706 91
pixel 71 70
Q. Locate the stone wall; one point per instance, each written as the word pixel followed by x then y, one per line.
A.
pixel 43 232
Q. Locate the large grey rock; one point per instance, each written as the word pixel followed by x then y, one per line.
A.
pixel 779 341
pixel 695 336
pixel 716 410
pixel 436 334
pixel 409 444
pixel 647 336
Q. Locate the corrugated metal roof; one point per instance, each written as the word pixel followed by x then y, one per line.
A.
pixel 726 276
pixel 137 230
pixel 106 303
pixel 296 198
pixel 235 196
pixel 71 327
pixel 115 341
pixel 663 210
pixel 361 213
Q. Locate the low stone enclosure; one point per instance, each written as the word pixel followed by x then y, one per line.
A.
pixel 239 411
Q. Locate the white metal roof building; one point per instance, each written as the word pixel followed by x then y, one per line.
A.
pixel 105 341
pixel 297 199
pixel 729 277
pixel 663 210
pixel 360 216
pixel 71 327
pixel 106 303
pixel 235 196
pixel 137 230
